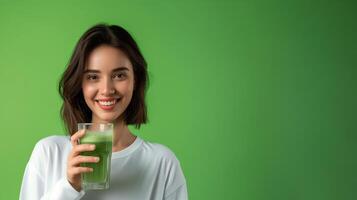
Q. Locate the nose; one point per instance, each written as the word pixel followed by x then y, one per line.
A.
pixel 107 87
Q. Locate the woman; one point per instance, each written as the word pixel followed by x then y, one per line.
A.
pixel 105 81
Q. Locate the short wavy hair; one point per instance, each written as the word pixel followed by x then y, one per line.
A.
pixel 74 110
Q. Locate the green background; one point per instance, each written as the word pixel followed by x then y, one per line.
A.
pixel 256 98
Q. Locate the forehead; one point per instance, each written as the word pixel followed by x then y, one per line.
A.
pixel 106 58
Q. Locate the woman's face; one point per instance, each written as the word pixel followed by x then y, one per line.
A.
pixel 108 83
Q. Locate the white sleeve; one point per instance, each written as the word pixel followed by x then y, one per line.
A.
pixel 62 190
pixel 32 184
pixel 179 194
pixel 35 180
pixel 175 188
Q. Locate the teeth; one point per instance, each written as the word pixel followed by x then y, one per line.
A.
pixel 106 103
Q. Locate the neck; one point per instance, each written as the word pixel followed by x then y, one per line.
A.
pixel 122 137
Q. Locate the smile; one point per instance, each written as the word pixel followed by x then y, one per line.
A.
pixel 107 104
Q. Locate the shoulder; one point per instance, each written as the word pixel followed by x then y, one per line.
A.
pixel 55 140
pixel 159 151
pixel 51 143
pixel 48 149
pixel 162 155
pixel 168 164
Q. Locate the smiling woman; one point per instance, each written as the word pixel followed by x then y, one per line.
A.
pixel 105 82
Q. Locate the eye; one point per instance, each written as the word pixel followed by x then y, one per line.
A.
pixel 119 76
pixel 91 77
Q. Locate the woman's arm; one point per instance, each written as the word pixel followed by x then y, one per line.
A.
pixel 41 183
pixel 176 188
pixel 33 188
pixel 179 194
pixel 32 184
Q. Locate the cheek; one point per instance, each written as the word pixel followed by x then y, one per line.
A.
pixel 126 88
pixel 88 92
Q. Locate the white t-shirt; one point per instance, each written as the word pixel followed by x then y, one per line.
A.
pixel 141 171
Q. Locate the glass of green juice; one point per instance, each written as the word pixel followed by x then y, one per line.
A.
pixel 100 134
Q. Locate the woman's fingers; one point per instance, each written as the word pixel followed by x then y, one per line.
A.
pixel 79 170
pixel 77 149
pixel 83 159
pixel 75 137
pixel 74 169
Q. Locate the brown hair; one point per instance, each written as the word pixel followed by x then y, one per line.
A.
pixel 74 109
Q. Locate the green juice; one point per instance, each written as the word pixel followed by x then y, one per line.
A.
pixel 99 178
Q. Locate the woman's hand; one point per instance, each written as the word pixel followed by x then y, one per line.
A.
pixel 74 169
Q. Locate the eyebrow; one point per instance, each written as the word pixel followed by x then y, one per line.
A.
pixel 114 70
